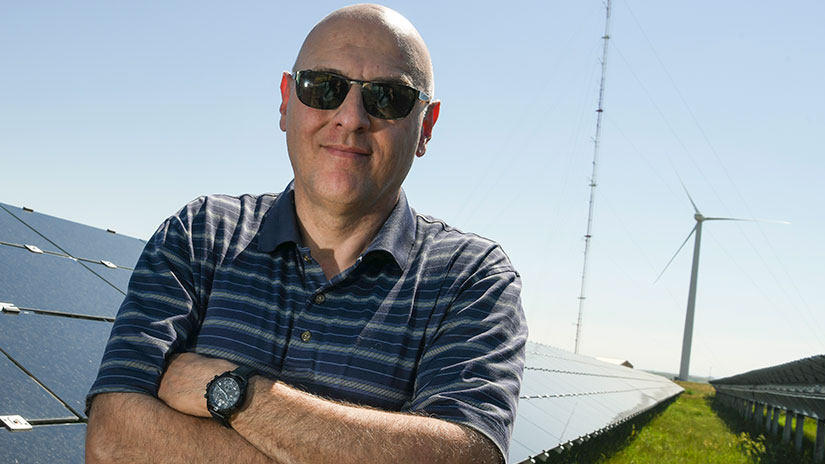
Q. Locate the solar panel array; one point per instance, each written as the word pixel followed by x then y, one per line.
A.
pixel 797 386
pixel 566 399
pixel 62 282
pixel 60 287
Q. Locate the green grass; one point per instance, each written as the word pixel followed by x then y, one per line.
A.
pixel 693 429
pixel 688 431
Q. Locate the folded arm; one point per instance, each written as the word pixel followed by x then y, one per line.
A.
pixel 293 427
pixel 138 428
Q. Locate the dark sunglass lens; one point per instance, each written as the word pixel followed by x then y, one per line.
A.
pixel 321 90
pixel 388 101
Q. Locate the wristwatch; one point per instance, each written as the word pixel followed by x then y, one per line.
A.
pixel 225 393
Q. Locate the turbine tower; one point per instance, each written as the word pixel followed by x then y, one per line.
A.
pixel 687 339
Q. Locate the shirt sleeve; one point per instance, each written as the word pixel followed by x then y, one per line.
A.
pixel 471 371
pixel 156 316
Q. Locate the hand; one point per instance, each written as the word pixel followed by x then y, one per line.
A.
pixel 184 382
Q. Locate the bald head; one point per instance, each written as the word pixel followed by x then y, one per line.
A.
pixel 377 28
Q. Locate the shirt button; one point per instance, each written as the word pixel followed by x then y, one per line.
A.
pixel 306 336
pixel 319 298
pixel 307 258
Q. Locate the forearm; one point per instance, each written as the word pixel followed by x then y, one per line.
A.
pixel 137 428
pixel 296 427
pixel 290 426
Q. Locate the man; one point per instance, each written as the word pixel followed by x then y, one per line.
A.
pixel 329 323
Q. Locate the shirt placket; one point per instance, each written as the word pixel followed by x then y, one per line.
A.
pixel 304 330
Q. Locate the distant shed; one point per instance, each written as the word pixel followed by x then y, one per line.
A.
pixel 616 361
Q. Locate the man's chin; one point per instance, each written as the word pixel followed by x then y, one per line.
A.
pixel 344 194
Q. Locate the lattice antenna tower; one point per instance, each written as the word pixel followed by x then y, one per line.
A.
pixel 596 138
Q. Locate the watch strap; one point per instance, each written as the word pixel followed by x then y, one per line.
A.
pixel 220 418
pixel 244 372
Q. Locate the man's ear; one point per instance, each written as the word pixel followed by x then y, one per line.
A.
pixel 430 117
pixel 285 80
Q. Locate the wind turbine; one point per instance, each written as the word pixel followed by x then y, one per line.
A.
pixel 687 339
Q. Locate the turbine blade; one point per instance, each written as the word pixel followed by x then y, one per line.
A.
pixel 772 221
pixel 689 197
pixel 727 219
pixel 674 255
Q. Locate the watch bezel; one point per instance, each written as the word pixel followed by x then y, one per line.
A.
pixel 241 376
pixel 219 382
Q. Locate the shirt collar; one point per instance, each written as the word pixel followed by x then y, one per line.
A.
pixel 395 237
pixel 279 225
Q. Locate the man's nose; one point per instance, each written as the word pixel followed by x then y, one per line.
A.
pixel 351 114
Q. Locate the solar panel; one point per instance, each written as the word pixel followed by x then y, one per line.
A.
pixel 71 278
pixel 517 449
pixel 52 444
pixel 49 352
pixel 54 283
pixel 22 396
pixel 62 353
pixel 81 241
pixel 566 397
pixel 116 277
pixel 527 431
pixel 14 231
pixel 797 386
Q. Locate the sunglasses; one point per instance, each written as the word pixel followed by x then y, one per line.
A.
pixel 385 100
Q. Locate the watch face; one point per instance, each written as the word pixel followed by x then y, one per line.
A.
pixel 224 393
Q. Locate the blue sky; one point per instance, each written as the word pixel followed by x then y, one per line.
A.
pixel 115 114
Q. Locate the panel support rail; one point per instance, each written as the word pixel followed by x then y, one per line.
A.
pixel 795 390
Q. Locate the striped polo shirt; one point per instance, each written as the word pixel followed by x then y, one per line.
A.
pixel 427 320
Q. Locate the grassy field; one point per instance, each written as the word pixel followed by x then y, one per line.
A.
pixel 693 429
